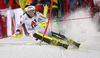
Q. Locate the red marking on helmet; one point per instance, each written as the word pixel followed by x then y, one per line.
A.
pixel 32 23
pixel 30 7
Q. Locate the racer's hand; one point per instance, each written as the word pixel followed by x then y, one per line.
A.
pixel 44 23
pixel 17 34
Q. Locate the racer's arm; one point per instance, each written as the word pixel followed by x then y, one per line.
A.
pixel 18 33
pixel 19 24
pixel 42 20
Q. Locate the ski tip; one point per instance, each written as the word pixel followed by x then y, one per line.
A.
pixel 80 47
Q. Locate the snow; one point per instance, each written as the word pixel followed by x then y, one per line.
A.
pixel 27 47
pixel 83 31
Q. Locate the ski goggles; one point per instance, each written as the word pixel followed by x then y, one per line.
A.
pixel 31 12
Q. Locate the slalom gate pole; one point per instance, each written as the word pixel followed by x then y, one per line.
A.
pixel 70 19
pixel 47 23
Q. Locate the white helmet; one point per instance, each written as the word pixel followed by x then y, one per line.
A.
pixel 30 9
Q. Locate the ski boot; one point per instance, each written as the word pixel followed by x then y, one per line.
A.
pixel 75 43
pixel 55 42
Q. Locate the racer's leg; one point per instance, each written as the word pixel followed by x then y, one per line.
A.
pixel 49 40
pixel 59 36
pixel 62 37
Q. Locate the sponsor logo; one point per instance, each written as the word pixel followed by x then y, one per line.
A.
pixel 25 18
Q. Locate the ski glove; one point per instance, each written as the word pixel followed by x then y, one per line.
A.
pixel 17 34
pixel 44 23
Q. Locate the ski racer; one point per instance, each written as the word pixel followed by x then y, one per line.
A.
pixel 35 23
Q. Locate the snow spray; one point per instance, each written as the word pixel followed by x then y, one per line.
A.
pixel 78 30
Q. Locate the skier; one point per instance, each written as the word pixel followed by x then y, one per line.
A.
pixel 35 24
